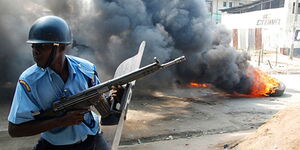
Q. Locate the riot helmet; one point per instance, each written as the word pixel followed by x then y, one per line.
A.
pixel 50 29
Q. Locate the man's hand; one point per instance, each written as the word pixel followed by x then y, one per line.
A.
pixel 38 126
pixel 73 117
pixel 117 93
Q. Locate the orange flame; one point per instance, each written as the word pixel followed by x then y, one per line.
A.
pixel 198 85
pixel 262 84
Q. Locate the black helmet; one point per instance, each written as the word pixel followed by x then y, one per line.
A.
pixel 50 29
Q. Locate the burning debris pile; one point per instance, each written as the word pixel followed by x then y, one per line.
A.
pixel 113 29
pixel 263 85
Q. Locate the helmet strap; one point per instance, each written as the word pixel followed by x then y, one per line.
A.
pixel 50 60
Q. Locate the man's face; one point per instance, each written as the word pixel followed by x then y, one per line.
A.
pixel 41 53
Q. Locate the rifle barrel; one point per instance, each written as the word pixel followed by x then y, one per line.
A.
pixel 121 80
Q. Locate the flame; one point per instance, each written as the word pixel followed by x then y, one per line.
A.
pixel 262 84
pixel 198 85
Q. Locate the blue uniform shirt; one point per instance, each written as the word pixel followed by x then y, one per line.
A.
pixel 38 88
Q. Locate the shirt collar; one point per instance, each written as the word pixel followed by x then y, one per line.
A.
pixel 71 66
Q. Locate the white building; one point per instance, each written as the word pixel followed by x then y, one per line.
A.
pixel 265 24
pixel 214 7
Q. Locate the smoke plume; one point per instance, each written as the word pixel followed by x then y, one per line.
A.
pixel 107 32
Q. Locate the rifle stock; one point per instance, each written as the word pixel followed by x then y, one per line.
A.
pixel 93 95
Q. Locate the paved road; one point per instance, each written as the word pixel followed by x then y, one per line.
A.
pixel 222 120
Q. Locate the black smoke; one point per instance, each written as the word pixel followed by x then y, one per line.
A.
pixel 107 32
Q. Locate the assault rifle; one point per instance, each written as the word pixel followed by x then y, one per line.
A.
pixel 94 95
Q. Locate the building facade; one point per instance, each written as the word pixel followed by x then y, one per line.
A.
pixel 214 7
pixel 265 24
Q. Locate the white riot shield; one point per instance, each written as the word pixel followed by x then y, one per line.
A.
pixel 113 133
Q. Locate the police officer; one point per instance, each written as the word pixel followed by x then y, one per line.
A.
pixel 53 76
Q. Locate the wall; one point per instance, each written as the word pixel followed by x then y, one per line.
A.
pixel 215 5
pixel 265 29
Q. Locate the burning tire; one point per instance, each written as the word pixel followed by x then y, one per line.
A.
pixel 279 90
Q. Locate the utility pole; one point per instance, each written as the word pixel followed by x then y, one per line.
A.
pixel 294 28
pixel 217 10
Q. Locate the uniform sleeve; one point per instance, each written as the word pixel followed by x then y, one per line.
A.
pixel 97 80
pixel 22 106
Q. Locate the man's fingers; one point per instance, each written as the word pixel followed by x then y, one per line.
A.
pixel 116 92
pixel 119 87
pixel 75 117
pixel 78 112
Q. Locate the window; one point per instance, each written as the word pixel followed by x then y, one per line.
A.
pixel 224 4
pixel 257 5
pixel 294 8
pixel 209 6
